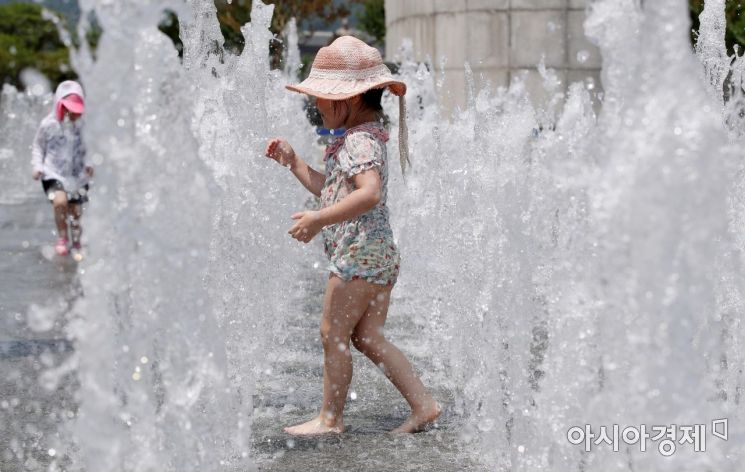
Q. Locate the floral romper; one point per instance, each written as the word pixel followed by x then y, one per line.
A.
pixel 363 247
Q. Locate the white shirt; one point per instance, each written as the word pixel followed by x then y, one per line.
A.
pixel 58 152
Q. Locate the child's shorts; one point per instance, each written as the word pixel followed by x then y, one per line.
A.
pixel 53 185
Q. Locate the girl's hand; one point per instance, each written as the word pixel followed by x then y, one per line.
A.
pixel 307 227
pixel 36 175
pixel 281 151
pixel 89 171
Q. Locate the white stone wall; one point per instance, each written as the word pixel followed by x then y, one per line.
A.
pixel 500 39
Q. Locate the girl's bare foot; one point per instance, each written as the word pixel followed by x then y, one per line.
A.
pixel 314 427
pixel 420 419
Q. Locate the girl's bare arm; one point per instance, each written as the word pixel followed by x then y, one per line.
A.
pixel 363 198
pixel 309 177
pixel 281 151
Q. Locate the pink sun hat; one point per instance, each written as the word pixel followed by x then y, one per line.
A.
pixel 345 68
pixel 349 67
pixel 69 96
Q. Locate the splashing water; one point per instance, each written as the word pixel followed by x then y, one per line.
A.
pixel 591 274
pixel 710 46
pixel 21 114
pixel 563 268
pixel 187 189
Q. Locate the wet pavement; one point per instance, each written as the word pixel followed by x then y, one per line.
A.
pixel 37 292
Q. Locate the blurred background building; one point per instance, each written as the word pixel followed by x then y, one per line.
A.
pixel 501 40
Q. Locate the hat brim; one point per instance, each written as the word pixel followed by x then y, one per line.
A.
pixel 73 105
pixel 342 89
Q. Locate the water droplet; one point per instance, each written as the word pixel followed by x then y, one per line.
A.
pixel 583 56
pixel 40 319
pixel 353 395
pixel 486 424
pixel 52 452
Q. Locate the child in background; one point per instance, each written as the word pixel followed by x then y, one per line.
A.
pixel 347 79
pixel 59 159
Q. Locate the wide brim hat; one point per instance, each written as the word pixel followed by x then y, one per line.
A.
pixel 349 67
pixel 345 68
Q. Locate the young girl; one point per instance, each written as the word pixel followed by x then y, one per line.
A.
pixel 58 158
pixel 347 79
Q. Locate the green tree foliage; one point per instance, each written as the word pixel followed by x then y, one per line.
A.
pixel 28 40
pixel 735 14
pixel 231 17
pixel 372 19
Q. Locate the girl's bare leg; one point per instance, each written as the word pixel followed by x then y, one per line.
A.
pixel 60 213
pixel 343 306
pixel 76 210
pixel 368 338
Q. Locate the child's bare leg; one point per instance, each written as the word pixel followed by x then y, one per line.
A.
pixel 343 305
pixel 76 231
pixel 368 338
pixel 60 213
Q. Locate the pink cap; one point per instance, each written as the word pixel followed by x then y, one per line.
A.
pixel 73 103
